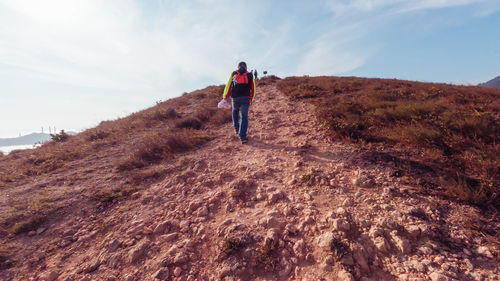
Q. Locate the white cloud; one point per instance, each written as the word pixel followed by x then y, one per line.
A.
pixel 343 7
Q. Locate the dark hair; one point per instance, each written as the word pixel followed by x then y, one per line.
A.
pixel 242 64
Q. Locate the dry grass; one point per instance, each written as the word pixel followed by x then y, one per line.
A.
pixel 5 255
pixel 451 128
pixel 271 79
pixel 162 145
pixel 29 224
pixel 145 139
pixel 64 150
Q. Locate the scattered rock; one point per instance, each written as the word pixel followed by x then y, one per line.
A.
pixel 161 274
pixel 341 225
pixel 52 276
pixel 203 211
pixel 137 252
pixel 291 229
pixel 341 212
pixel 364 181
pixel 40 230
pixel 436 276
pixel 180 258
pixel 177 271
pixel 87 278
pixel 184 226
pixel 344 275
pixel 483 250
pixel 360 257
pixel 414 231
pixel 325 241
pixel 401 243
pixel 233 192
pixel 381 244
pixel 93 265
pixel 162 227
pixel 170 237
pixel 275 196
pixel 70 277
pixel 376 231
pixel 286 270
pixel 271 238
pixel 113 245
pixel 299 248
pixel 347 202
pixel 417 266
pixel 114 260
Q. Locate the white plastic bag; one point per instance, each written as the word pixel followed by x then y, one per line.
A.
pixel 223 104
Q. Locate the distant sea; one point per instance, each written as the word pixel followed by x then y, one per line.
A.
pixel 8 149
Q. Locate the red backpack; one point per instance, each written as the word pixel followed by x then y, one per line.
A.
pixel 240 78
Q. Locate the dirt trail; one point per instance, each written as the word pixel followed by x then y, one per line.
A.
pixel 289 205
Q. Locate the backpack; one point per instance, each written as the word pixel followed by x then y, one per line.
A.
pixel 240 78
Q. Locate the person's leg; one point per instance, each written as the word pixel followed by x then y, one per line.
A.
pixel 245 104
pixel 236 114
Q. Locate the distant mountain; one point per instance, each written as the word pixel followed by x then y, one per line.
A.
pixel 493 83
pixel 28 139
pixel 25 140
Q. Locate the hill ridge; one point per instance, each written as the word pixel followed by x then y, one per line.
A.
pixel 493 83
pixel 292 204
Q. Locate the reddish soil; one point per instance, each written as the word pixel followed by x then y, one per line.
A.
pixel 289 205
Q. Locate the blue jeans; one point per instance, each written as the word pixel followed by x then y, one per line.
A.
pixel 240 107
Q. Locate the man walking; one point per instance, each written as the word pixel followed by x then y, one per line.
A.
pixel 241 88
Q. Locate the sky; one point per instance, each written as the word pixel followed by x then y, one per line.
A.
pixel 70 64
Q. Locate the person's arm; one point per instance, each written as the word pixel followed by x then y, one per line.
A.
pixel 228 87
pixel 252 91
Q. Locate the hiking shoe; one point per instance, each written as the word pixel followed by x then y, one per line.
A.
pixel 237 130
pixel 244 140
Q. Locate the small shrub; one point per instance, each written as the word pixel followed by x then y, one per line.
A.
pixel 108 198
pixel 97 135
pixel 204 114
pixel 28 225
pixel 61 137
pixel 231 245
pixel 188 122
pixel 266 259
pixel 339 248
pixel 130 163
pixel 221 117
pixel 472 191
pixel 164 114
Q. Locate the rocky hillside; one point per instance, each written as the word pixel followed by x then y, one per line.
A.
pixel 170 193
